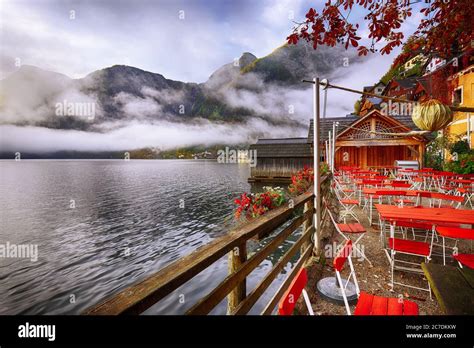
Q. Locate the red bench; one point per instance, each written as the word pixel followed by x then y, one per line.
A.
pixel 453 233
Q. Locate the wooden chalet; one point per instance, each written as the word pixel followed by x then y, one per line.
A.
pixel 369 104
pixel 279 159
pixel 423 90
pixel 378 88
pixel 401 88
pixel 356 146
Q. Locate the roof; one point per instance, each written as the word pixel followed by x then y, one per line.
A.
pixel 406 83
pixel 407 121
pixel 278 150
pixel 425 83
pixel 374 100
pixel 344 122
pixel 282 141
pixel 370 104
pixel 396 124
pixel 326 125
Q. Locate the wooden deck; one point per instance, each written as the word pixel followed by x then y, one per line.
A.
pixel 452 286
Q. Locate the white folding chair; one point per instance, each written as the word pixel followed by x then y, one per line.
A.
pixel 399 246
pixel 368 304
pixel 348 205
pixel 348 230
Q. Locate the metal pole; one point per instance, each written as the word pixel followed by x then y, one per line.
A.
pixel 333 146
pixel 327 152
pixel 330 148
pixel 325 102
pixel 469 130
pixel 335 124
pixel 317 174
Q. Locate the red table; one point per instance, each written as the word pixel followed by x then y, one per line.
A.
pixel 370 191
pixel 464 181
pixel 431 215
pixel 373 190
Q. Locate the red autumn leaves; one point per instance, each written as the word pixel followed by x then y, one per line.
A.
pixel 447 24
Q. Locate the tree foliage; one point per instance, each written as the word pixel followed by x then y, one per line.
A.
pixel 460 147
pixel 357 107
pixel 436 150
pixel 445 28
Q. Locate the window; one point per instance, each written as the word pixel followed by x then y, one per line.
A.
pixel 457 96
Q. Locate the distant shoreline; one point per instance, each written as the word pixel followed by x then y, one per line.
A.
pixel 108 159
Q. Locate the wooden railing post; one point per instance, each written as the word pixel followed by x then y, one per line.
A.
pixel 307 223
pixel 236 258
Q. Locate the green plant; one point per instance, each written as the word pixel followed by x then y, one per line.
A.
pixel 464 164
pixel 416 70
pixel 460 147
pixel 323 168
pixel 391 73
pixel 434 155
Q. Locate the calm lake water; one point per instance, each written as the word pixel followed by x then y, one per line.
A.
pixel 100 226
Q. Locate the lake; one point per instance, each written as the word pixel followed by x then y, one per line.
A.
pixel 102 225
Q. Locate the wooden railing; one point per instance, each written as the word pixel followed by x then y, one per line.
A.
pixel 141 296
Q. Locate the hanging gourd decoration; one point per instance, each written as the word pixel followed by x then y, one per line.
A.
pixel 432 115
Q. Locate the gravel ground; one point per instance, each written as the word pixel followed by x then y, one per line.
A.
pixel 372 279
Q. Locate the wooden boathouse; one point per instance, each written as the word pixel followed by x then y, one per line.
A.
pixel 279 159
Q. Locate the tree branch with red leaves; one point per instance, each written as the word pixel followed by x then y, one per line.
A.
pixel 446 29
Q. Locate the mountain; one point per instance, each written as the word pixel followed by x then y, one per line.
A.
pixel 32 96
pixel 25 95
pixel 229 72
pixel 289 64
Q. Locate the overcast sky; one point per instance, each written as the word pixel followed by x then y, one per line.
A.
pixel 182 39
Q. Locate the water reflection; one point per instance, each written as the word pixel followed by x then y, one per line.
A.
pixel 103 225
